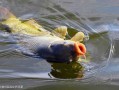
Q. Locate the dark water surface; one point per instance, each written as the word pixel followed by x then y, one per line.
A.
pixel 99 19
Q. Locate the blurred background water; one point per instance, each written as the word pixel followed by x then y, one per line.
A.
pixel 97 18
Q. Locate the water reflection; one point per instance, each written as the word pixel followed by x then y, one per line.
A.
pixel 94 18
pixel 67 70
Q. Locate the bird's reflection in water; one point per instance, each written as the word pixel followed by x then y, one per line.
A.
pixel 67 70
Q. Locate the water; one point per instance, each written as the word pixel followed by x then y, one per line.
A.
pixel 97 18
